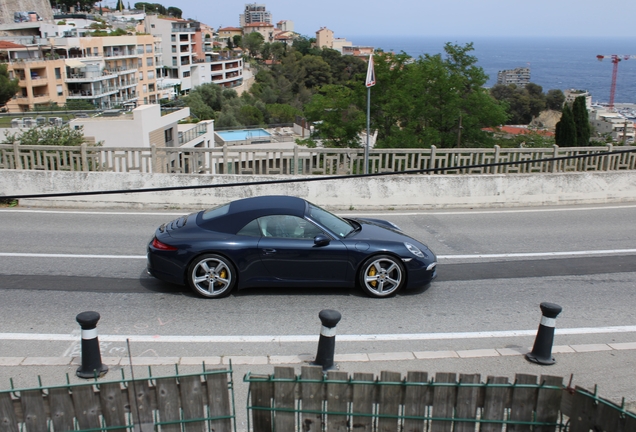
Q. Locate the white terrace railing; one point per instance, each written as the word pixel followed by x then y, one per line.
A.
pixel 313 161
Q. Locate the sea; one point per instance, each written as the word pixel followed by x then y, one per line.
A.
pixel 555 63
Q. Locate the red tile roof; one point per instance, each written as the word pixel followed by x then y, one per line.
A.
pixel 10 45
pixel 515 130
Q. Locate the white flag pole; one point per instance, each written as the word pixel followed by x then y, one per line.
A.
pixel 370 82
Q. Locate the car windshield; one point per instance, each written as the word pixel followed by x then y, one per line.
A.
pixel 330 221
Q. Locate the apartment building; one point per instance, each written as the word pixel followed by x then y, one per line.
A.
pixel 107 72
pixel 613 124
pixel 266 30
pixel 324 38
pixel 519 76
pixel 188 58
pixel 572 94
pixel 255 13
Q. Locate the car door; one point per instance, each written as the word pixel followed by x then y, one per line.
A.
pixel 289 252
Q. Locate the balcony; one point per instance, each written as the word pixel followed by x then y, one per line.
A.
pixel 90 77
pixel 191 134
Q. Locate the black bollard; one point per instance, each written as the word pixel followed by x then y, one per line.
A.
pixel 91 357
pixel 542 349
pixel 327 341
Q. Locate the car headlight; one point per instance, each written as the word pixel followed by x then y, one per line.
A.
pixel 414 250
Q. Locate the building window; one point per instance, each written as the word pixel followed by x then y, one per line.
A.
pixel 151 88
pixel 173 38
pixel 152 26
pixel 58 73
pixel 174 48
pixel 148 48
pixel 141 76
pixel 151 75
pixel 140 62
pixel 149 61
pixel 174 61
pixel 145 101
pixel 186 74
pixel 145 88
pixel 95 51
pixel 60 90
pixel 140 49
pixel 167 134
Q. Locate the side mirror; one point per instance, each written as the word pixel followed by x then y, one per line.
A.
pixel 321 240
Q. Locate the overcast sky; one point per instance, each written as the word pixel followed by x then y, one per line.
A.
pixel 348 18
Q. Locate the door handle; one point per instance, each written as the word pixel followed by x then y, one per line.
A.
pixel 269 251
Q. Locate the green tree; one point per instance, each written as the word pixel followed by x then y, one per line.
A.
pixel 554 100
pixel 198 107
pixel 250 116
pixel 565 132
pixel 421 103
pixel 253 42
pixel 175 12
pixel 582 121
pixel 8 87
pixel 338 118
pixel 57 135
pixel 120 5
pixel 281 113
pixel 316 71
pixel 523 103
pixel 78 104
pixel 237 40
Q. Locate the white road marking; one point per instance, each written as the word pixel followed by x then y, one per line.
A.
pixel 439 257
pixel 43 255
pixel 538 254
pixel 314 338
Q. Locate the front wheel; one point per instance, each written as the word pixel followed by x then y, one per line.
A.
pixel 382 276
pixel 211 276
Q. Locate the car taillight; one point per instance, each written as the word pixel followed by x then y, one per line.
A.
pixel 162 246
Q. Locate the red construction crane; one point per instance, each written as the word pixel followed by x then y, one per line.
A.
pixel 616 59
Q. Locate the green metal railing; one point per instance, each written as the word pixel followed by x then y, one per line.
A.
pixel 427 419
pixel 133 421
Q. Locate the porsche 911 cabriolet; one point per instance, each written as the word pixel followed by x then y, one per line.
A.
pixel 285 241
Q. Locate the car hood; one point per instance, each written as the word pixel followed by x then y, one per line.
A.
pixel 379 230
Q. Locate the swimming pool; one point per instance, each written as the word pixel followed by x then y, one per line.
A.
pixel 243 135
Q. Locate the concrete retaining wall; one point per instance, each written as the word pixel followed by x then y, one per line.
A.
pixel 376 193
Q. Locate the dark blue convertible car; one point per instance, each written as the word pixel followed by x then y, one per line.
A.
pixel 284 241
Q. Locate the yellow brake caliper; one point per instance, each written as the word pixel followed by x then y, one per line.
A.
pixel 222 275
pixel 372 272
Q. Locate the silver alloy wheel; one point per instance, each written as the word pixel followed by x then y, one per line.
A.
pixel 382 276
pixel 211 276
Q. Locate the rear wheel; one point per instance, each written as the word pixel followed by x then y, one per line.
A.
pixel 211 276
pixel 382 276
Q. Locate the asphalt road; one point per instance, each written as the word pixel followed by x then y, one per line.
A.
pixel 496 266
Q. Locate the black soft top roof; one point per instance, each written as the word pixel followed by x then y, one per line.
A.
pixel 243 211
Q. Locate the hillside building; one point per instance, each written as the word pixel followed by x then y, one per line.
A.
pixel 145 126
pixel 519 77
pixel 613 124
pixel 572 94
pixel 254 14
pixel 189 59
pixel 107 72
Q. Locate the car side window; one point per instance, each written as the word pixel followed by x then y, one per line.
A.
pixel 251 229
pixel 286 226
